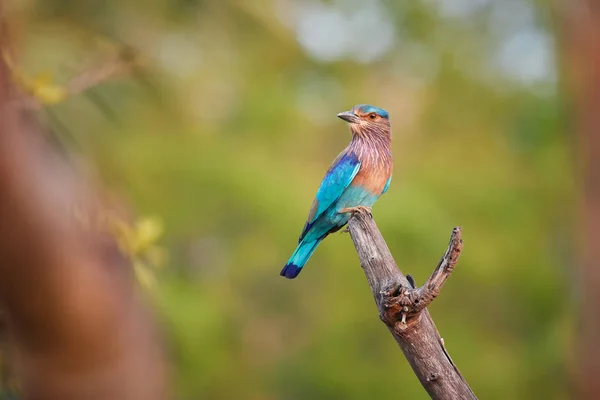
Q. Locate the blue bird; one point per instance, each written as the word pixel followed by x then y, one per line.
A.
pixel 356 178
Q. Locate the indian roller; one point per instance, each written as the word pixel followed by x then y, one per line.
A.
pixel 357 177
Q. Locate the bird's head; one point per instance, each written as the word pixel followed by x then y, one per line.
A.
pixel 365 119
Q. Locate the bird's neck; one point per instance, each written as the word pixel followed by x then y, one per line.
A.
pixel 375 141
pixel 372 147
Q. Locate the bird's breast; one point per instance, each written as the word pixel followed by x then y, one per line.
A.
pixel 373 175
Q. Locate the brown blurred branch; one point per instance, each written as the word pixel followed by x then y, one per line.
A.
pixel 118 67
pixel 579 41
pixel 79 328
pixel 402 308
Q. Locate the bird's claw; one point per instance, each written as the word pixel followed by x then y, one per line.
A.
pixel 357 209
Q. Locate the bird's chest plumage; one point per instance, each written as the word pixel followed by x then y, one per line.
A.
pixel 375 170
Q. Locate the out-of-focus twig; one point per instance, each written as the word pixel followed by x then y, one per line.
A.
pixel 120 66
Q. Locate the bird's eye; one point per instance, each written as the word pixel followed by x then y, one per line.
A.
pixel 372 115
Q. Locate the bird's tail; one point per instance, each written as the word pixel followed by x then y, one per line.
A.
pixel 299 258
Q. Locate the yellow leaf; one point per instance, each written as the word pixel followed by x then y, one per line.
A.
pixel 147 231
pixel 43 79
pixel 50 94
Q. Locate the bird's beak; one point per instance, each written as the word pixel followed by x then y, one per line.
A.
pixel 348 116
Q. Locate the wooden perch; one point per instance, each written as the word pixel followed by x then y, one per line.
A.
pixel 402 307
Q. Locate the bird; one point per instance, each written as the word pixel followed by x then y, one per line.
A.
pixel 358 176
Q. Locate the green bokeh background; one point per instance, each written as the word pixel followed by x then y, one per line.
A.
pixel 229 129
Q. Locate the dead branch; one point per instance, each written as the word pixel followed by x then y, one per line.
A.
pixel 402 307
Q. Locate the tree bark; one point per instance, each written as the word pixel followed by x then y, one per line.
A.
pixel 402 307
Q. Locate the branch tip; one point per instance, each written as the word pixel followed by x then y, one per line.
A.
pixel 407 302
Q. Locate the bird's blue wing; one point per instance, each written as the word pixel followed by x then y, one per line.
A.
pixel 343 169
pixel 387 185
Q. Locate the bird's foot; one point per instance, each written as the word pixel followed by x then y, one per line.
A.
pixel 357 209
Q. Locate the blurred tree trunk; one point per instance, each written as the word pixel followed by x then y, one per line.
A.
pixel 580 51
pixel 77 325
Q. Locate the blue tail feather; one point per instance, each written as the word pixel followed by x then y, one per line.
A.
pixel 299 258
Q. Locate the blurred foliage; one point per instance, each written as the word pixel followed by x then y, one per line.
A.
pixel 229 129
pixel 138 242
pixel 42 86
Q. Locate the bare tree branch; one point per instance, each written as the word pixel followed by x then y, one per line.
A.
pixel 402 308
pixel 110 69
